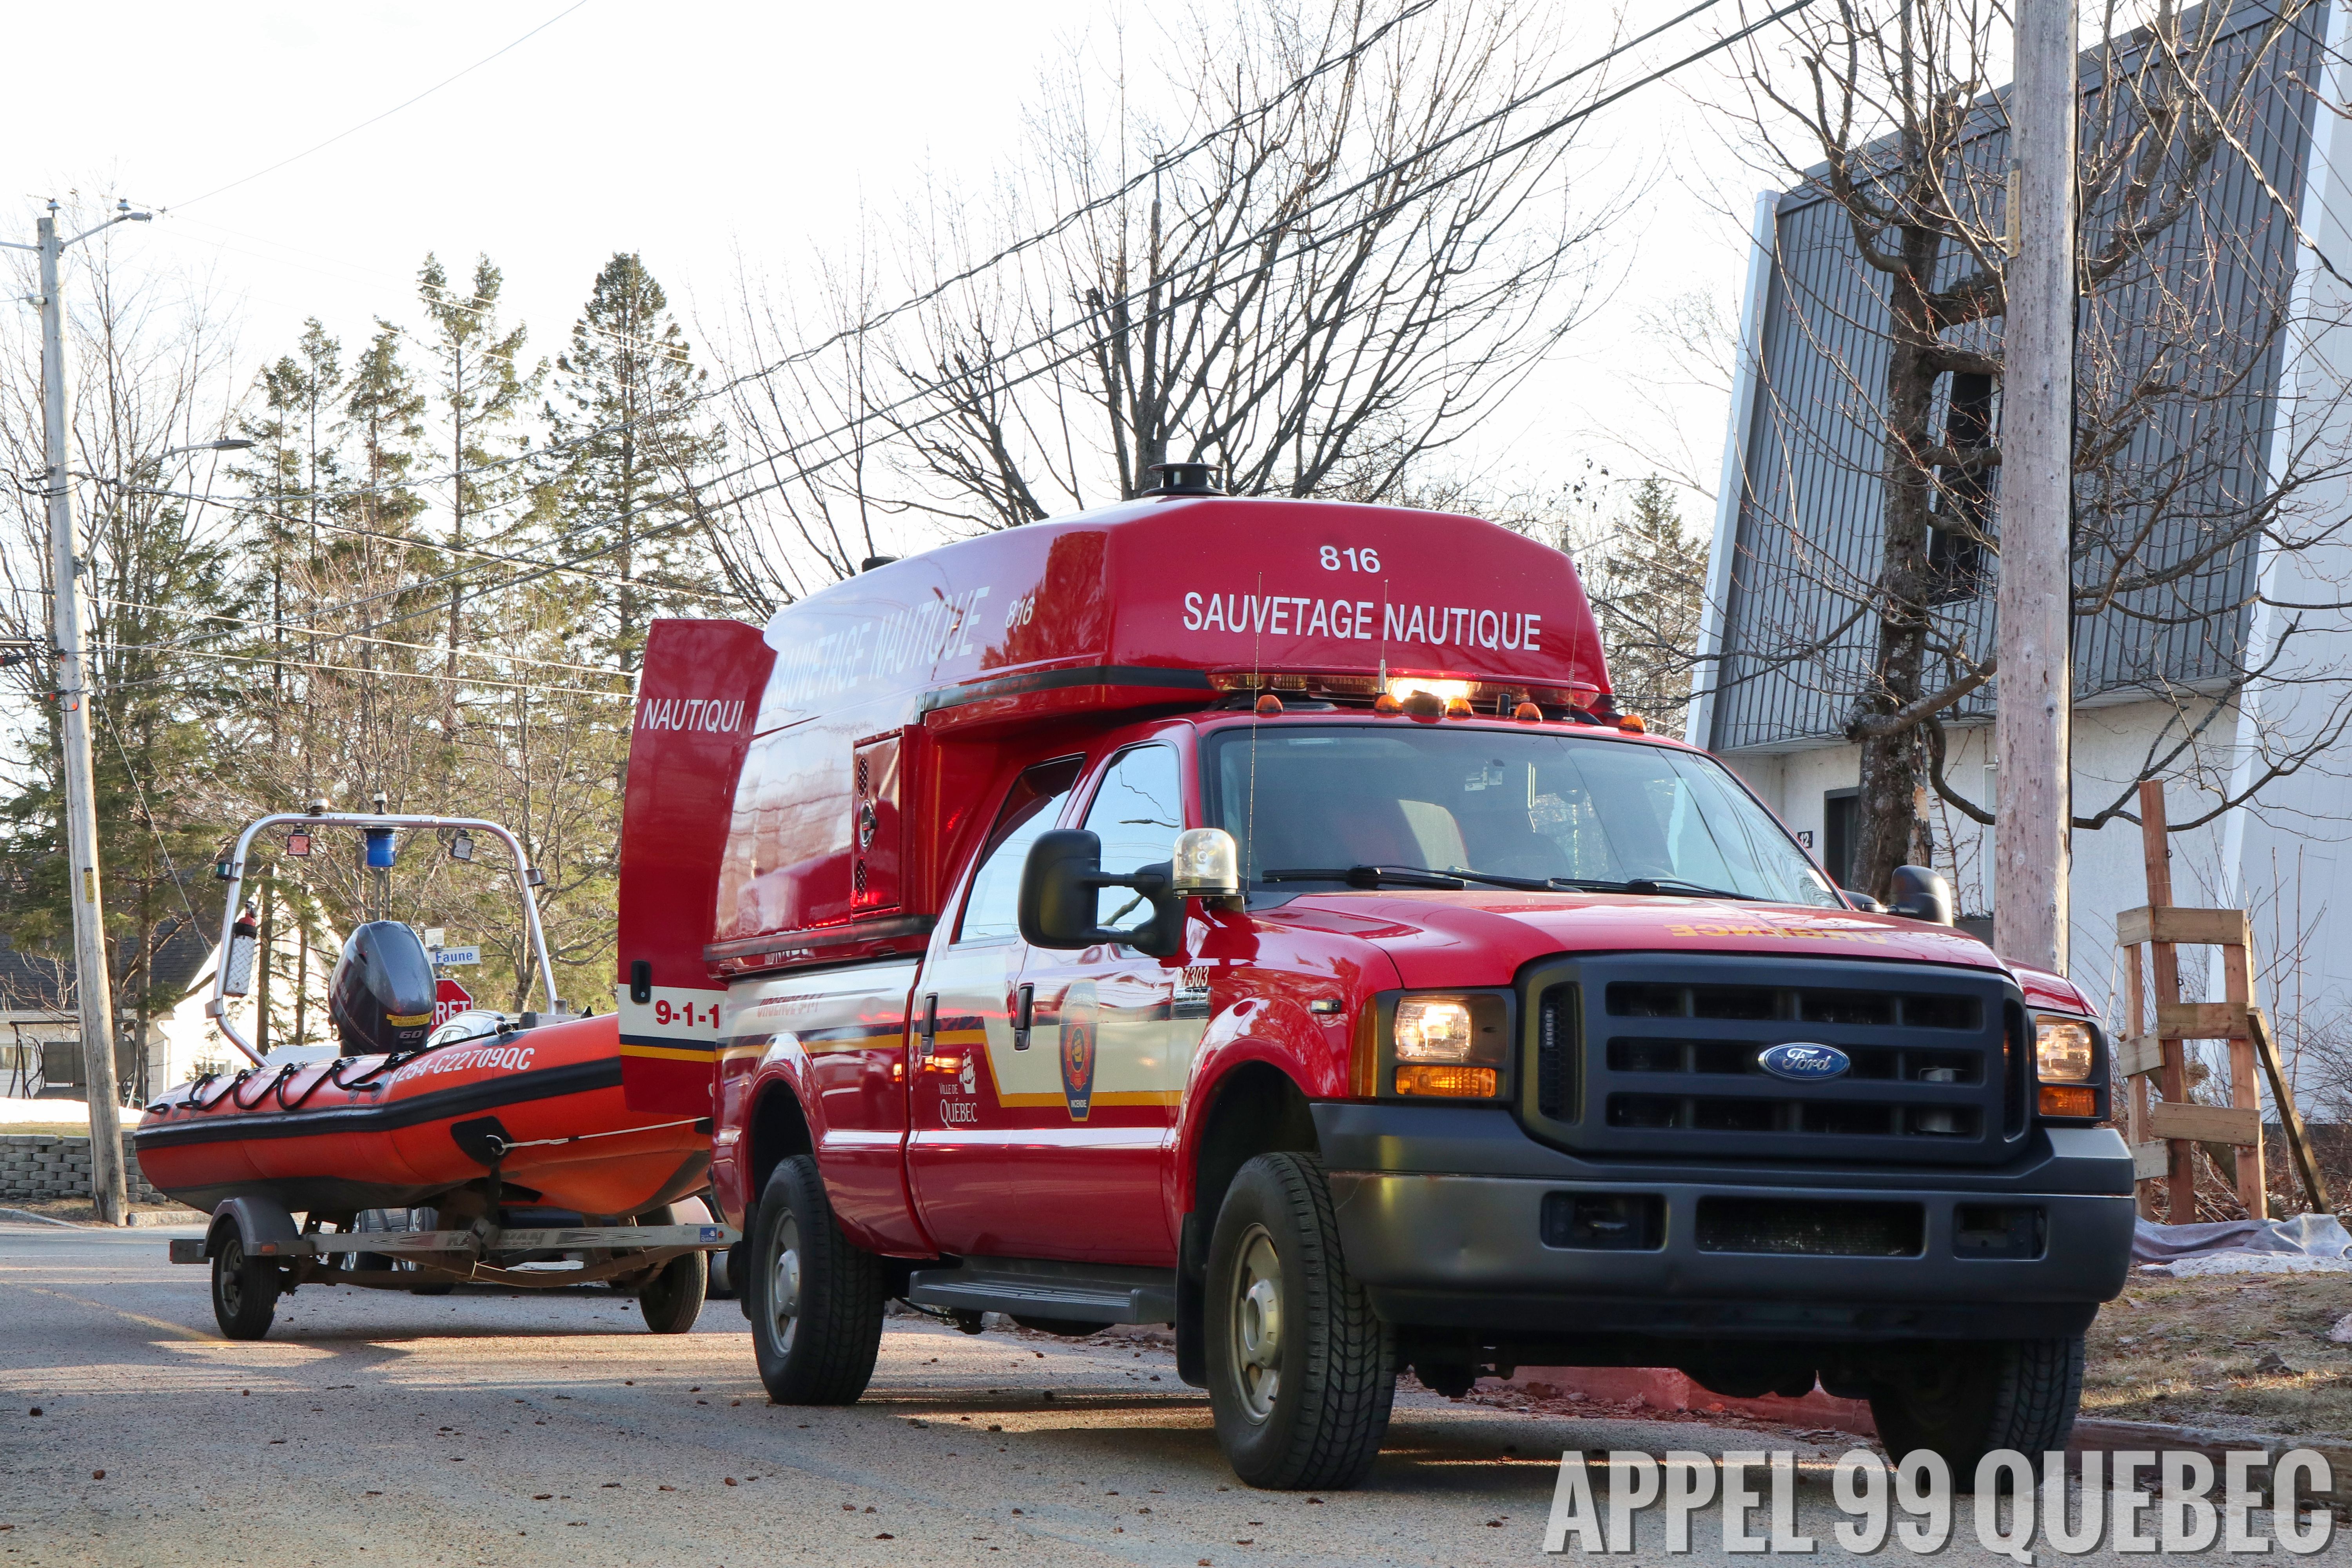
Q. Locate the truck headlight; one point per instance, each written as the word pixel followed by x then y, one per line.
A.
pixel 1450 1048
pixel 2064 1049
pixel 1434 1029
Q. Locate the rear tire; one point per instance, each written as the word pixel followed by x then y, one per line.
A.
pixel 245 1290
pixel 1301 1374
pixel 672 1299
pixel 1970 1398
pixel 815 1300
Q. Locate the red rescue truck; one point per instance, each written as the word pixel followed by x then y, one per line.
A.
pixel 1253 916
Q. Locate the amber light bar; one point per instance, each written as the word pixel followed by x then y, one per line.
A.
pixel 1446 1082
pixel 1491 696
pixel 2069 1099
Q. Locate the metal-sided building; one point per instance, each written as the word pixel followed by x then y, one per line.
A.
pixel 2264 257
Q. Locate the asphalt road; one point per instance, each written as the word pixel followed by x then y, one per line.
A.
pixel 391 1429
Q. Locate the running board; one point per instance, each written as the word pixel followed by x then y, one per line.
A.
pixel 1032 1288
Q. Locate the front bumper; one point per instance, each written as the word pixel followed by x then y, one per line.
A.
pixel 1441 1215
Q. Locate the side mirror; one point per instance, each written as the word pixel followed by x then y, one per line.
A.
pixel 1861 901
pixel 1920 894
pixel 1061 897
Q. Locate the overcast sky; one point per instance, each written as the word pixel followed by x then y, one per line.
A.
pixel 706 137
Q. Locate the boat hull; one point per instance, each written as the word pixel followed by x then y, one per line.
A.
pixel 544 1106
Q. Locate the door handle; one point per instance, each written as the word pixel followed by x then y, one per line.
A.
pixel 929 1030
pixel 1024 1009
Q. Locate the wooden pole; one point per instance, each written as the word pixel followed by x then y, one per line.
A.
pixel 2181 1201
pixel 2034 601
pixel 2298 1140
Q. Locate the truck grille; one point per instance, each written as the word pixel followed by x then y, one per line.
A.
pixel 1660 1054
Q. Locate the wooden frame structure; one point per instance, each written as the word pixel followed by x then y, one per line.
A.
pixel 2162 1127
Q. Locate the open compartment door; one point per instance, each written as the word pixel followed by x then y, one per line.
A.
pixel 698 700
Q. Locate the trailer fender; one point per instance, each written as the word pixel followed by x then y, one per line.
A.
pixel 262 1225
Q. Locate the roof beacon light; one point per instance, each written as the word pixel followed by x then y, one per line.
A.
pixel 378 849
pixel 1207 864
pixel 1402 687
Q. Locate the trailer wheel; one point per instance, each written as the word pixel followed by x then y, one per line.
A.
pixel 1969 1399
pixel 1301 1374
pixel 672 1299
pixel 245 1290
pixel 815 1300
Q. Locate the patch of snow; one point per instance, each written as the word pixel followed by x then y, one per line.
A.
pixel 2251 1263
pixel 16 1110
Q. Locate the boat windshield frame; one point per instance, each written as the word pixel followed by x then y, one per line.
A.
pixel 232 871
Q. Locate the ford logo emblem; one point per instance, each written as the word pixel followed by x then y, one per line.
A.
pixel 1802 1061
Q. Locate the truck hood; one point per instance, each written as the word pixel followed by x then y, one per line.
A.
pixel 1482 938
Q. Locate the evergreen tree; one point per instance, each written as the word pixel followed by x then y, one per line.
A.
pixel 627 418
pixel 479 385
pixel 1647 594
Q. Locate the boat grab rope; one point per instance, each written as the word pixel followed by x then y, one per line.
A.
pixel 276 1081
pixel 505 1144
pixel 326 1074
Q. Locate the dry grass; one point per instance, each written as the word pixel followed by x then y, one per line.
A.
pixel 2224 1351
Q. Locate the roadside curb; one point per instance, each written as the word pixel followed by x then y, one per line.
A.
pixel 26 1216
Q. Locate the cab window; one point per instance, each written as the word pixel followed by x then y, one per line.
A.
pixel 1138 810
pixel 1031 806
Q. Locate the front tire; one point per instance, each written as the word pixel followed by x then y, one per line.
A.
pixel 1971 1398
pixel 245 1290
pixel 1301 1374
pixel 815 1300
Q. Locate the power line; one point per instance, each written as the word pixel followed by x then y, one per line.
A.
pixel 1168 305
pixel 349 669
pixel 1173 302
pixel 388 113
pixel 244 503
pixel 361 637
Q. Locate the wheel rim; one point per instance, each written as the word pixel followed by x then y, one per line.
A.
pixel 785 1285
pixel 232 1275
pixel 1256 1324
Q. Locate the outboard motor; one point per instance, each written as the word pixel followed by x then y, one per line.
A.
pixel 381 995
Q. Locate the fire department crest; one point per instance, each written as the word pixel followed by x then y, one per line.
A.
pixel 1080 1012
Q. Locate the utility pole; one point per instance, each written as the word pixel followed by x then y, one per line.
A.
pixel 2033 717
pixel 92 979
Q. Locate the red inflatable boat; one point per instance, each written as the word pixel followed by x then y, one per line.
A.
pixel 542 1106
pixel 524 1109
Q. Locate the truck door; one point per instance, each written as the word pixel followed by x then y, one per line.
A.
pixel 1107 1059
pixel 961 1118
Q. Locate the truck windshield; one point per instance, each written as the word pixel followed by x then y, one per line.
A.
pixel 1533 805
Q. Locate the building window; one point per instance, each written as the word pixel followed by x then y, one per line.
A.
pixel 1956 561
pixel 1840 815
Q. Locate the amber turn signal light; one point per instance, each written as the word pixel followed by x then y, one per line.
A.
pixel 1446 1082
pixel 2068 1099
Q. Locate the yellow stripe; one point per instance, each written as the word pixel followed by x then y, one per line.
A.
pixel 182 1329
pixel 1116 1097
pixel 700 1055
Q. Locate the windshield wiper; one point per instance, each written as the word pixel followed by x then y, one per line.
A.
pixel 1406 877
pixel 1651 887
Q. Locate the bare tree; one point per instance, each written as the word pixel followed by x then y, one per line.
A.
pixel 1358 253
pixel 146 368
pixel 1878 108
